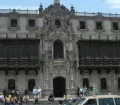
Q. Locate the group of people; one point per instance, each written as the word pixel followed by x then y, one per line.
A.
pixel 12 97
pixel 12 100
pixel 85 91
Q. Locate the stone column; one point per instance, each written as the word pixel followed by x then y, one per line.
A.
pixel 67 85
pixel 72 85
pixel 46 75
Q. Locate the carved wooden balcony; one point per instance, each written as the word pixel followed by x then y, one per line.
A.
pixel 99 62
pixel 16 63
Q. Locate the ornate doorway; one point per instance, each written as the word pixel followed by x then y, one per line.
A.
pixel 59 86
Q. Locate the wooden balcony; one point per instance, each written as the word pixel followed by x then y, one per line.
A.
pixel 19 63
pixel 99 64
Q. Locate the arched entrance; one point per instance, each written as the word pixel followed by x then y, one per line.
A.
pixel 11 84
pixel 59 86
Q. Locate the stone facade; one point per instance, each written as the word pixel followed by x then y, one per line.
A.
pixel 58 24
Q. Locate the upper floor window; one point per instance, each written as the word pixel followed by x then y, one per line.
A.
pixel 14 22
pixel 31 23
pixel 115 26
pixel 57 23
pixel 82 25
pixel 58 49
pixel 99 25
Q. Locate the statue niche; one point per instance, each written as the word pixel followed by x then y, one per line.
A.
pixel 58 49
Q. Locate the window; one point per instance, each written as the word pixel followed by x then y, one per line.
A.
pixel 91 102
pixel 2 52
pixel 31 84
pixel 57 23
pixel 103 83
pixel 115 26
pixel 13 22
pixel 99 25
pixel 119 83
pixel 31 23
pixel 33 49
pixel 117 101
pixel 58 49
pixel 106 101
pixel 86 82
pixel 11 84
pixel 82 25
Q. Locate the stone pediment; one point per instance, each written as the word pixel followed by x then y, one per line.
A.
pixel 59 9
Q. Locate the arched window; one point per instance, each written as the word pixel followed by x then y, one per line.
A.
pixel 86 82
pixel 57 23
pixel 58 49
pixel 119 83
pixel 103 83
pixel 11 84
pixel 31 84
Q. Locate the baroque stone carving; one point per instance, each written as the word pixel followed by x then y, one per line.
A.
pixel 68 55
pixel 49 54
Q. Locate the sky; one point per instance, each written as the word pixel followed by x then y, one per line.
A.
pixel 105 6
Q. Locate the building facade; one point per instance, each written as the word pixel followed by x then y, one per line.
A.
pixel 59 50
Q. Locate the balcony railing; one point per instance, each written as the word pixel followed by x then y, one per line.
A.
pixel 19 11
pixel 20 63
pixel 99 62
pixel 4 11
pixel 96 14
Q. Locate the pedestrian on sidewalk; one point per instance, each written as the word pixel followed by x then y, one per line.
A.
pixel 36 99
pixel 20 101
pixel 60 102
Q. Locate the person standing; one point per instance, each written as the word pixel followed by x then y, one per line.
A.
pixel 13 92
pixel 85 91
pixel 26 92
pixel 94 90
pixel 36 99
pixel 20 101
pixel 13 100
pixel 7 100
pixel 81 91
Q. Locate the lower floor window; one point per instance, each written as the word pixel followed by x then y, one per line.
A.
pixel 11 84
pixel 103 83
